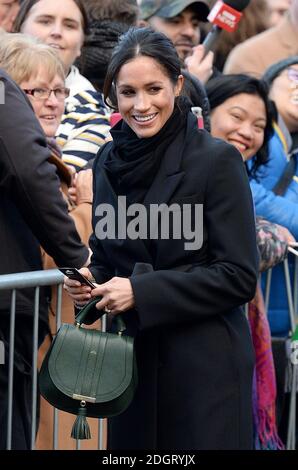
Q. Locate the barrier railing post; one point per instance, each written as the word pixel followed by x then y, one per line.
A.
pixel 291 436
pixel 267 289
pixel 11 368
pixel 13 282
pixel 34 367
pixel 56 412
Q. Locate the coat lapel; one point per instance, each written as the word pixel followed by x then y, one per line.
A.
pixel 134 249
pixel 169 175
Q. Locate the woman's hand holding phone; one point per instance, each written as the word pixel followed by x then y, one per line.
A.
pixel 116 294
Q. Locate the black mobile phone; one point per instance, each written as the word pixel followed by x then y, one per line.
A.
pixel 74 273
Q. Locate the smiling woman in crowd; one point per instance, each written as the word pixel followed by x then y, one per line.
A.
pixel 242 115
pixel 62 25
pixel 194 351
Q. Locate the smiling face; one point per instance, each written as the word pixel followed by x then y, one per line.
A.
pixel 240 121
pixel 146 95
pixel 48 111
pixel 183 30
pixel 60 25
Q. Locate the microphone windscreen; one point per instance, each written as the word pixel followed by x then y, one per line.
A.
pixel 238 5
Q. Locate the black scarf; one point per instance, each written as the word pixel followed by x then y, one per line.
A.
pixel 133 162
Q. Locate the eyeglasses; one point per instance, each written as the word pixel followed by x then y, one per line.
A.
pixel 45 93
pixel 292 74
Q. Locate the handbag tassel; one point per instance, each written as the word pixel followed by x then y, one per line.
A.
pixel 80 429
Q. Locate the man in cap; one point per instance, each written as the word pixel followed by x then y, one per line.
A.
pixel 179 20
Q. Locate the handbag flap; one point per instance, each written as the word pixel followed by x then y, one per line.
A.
pixel 91 365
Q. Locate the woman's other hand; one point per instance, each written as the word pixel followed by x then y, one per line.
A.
pixel 117 295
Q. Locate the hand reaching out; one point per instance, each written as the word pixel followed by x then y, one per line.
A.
pixel 81 190
pixel 198 65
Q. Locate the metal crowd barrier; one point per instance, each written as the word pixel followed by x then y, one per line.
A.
pixel 292 296
pixel 34 279
pixel 53 277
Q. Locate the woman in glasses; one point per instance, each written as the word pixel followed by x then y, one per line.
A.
pixel 282 78
pixel 40 74
pixel 62 24
pixel 38 71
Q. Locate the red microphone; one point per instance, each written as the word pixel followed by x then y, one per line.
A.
pixel 224 15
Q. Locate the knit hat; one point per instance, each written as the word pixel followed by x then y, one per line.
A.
pixel 275 70
pixel 98 48
pixel 171 8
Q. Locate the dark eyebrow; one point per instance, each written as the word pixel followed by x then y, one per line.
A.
pixel 51 17
pixel 46 16
pixel 156 82
pixel 240 108
pixel 146 84
pixel 71 20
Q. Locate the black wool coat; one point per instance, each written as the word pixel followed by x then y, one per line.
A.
pixel 194 351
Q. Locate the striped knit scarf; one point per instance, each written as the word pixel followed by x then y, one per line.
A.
pixel 264 384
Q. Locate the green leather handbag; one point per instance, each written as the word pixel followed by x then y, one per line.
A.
pixel 89 372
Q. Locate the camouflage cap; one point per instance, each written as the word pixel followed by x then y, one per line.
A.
pixel 171 8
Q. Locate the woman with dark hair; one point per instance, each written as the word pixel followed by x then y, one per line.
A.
pixel 242 115
pixel 63 25
pixel 275 200
pixel 181 300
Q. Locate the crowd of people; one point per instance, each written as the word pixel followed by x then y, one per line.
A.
pixel 71 69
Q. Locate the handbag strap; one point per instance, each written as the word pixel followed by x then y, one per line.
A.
pixel 83 313
pixel 286 177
